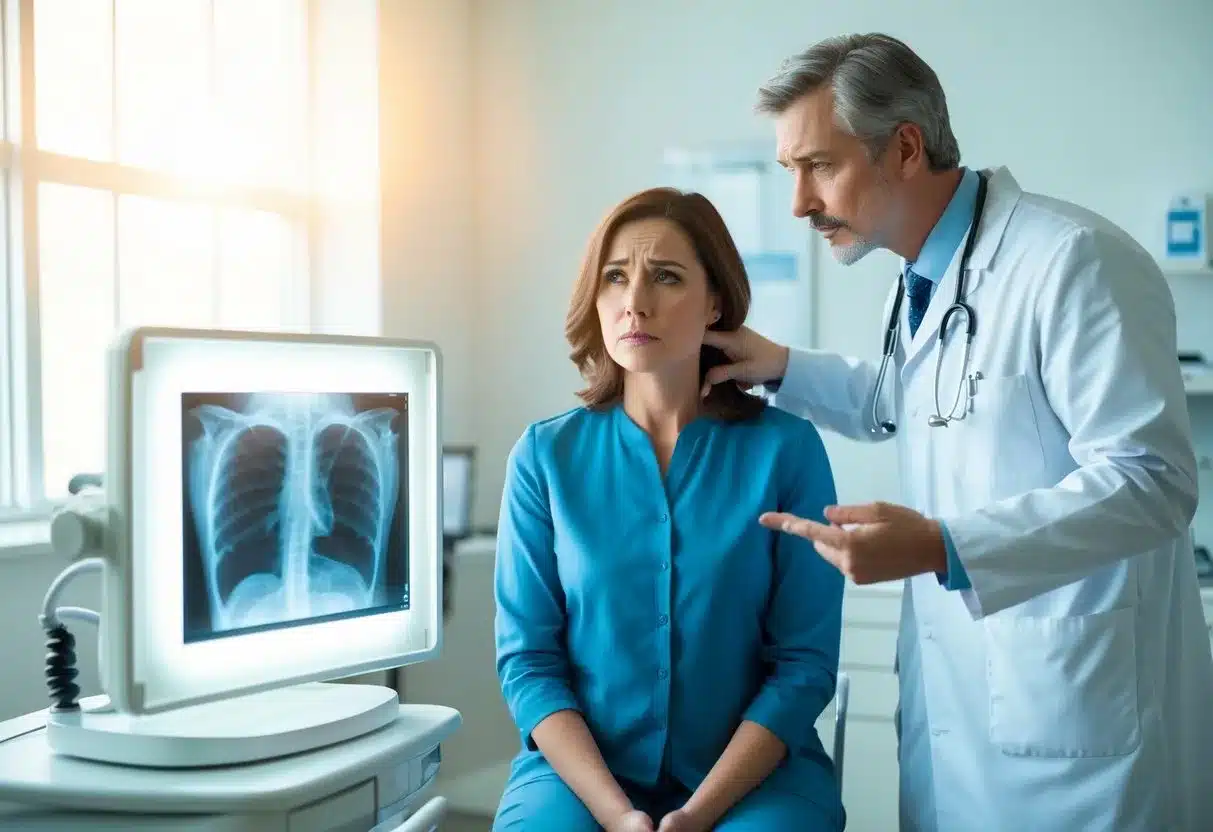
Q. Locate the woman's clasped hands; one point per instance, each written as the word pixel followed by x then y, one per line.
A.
pixel 679 820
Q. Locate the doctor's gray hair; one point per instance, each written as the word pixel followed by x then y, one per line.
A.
pixel 879 83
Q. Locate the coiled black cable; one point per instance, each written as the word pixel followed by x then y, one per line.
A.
pixel 61 669
pixel 82 481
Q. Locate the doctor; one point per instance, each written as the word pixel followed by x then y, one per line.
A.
pixel 1054 668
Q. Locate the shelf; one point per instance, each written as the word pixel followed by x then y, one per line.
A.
pixel 1198 383
pixel 1182 270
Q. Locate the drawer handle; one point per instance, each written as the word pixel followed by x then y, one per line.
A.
pixel 426 819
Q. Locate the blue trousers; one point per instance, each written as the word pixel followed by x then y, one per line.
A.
pixel 548 805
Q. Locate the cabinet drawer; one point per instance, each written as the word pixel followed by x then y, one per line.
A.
pixel 870 777
pixel 352 809
pixel 872 607
pixel 868 647
pixel 873 694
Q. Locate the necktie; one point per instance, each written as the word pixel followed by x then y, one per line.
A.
pixel 918 290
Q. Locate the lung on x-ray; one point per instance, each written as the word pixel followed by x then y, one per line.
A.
pixel 296 509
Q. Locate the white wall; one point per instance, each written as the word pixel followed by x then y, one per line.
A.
pixel 426 146
pixel 1105 103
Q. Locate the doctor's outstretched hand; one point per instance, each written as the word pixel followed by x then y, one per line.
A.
pixel 870 543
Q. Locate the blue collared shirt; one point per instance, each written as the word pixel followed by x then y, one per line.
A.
pixel 657 606
pixel 932 263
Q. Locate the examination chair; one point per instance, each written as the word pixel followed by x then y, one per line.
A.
pixel 842 693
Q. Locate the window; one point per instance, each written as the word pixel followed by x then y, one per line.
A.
pixel 199 163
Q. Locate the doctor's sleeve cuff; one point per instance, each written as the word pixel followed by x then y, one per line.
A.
pixel 956 577
pixel 798 363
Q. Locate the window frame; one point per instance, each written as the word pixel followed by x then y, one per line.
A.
pixel 23 167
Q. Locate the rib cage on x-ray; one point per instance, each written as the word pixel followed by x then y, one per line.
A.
pixel 294 500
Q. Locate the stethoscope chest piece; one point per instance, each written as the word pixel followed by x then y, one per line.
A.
pixel 935 420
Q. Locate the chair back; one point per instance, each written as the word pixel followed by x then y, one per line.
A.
pixel 842 693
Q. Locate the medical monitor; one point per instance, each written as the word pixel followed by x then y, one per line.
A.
pixel 279 504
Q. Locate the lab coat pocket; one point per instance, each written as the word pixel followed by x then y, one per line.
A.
pixel 1064 687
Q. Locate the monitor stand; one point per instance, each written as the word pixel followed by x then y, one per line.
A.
pixel 239 730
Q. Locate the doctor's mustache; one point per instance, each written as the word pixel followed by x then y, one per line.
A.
pixel 824 222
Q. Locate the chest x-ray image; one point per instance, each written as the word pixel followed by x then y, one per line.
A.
pixel 294 509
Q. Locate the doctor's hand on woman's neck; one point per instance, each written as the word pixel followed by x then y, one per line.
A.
pixel 753 358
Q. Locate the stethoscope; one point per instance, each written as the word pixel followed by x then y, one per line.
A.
pixel 958 307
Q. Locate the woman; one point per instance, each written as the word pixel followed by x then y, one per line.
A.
pixel 664 656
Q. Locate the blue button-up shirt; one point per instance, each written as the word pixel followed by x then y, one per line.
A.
pixel 657 606
pixel 932 263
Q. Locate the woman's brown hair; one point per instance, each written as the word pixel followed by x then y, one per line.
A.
pixel 726 274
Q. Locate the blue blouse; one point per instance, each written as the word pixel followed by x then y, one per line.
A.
pixel 658 607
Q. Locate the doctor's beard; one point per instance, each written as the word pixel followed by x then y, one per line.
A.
pixel 860 246
pixel 852 252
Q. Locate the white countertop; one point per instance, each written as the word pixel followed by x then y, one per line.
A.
pixel 883 588
pixel 479 546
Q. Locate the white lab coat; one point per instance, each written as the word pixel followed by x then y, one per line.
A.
pixel 1072 687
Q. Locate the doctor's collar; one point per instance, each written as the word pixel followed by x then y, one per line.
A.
pixel 945 238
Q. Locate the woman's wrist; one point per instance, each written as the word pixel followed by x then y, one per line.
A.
pixel 700 811
pixel 614 807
